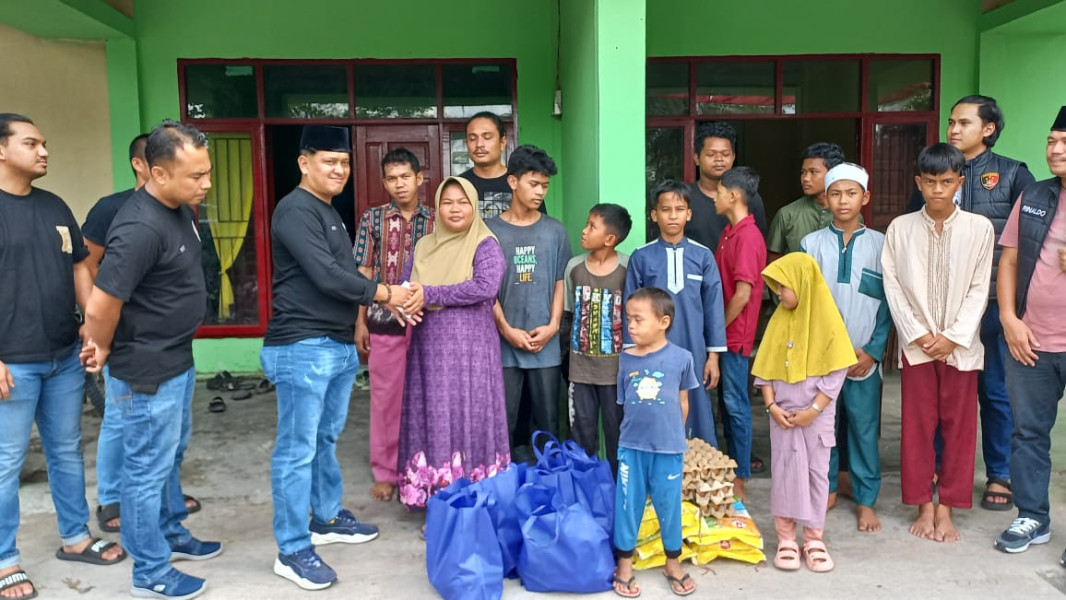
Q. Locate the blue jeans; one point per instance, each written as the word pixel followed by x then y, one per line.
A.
pixel 314 383
pixel 1034 392
pixel 155 432
pixel 996 422
pixel 109 451
pixel 736 409
pixel 50 393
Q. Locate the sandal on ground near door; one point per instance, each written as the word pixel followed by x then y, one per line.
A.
pixel 217 405
pixel 988 499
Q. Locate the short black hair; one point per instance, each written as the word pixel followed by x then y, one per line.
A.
pixel 941 158
pixel 6 119
pixel 530 159
pixel 167 138
pixel 714 129
pixel 662 303
pixel 398 156
pixel 989 111
pixel 616 218
pixel 487 114
pixel 668 186
pixel 744 179
pixel 830 153
pixel 137 146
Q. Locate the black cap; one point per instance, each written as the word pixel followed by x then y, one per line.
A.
pixel 1060 121
pixel 325 138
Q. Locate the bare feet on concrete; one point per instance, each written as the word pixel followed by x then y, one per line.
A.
pixel 925 525
pixel 867 519
pixel 382 491
pixel 945 529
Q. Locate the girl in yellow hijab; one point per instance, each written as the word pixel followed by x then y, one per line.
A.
pixel 454 421
pixel 800 366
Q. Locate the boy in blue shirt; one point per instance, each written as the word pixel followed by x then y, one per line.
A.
pixel 654 379
pixel 688 272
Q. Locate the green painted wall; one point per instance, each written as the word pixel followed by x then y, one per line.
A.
pixel 580 136
pixel 1022 67
pixel 124 104
pixel 704 28
pixel 167 31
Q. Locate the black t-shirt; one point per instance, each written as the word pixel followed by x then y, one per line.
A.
pixel 317 285
pixel 706 226
pixel 39 244
pixel 154 266
pixel 99 219
pixel 495 194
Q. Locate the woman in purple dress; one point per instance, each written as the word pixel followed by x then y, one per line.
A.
pixel 454 420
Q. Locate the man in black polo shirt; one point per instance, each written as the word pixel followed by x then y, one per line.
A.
pixel 714 153
pixel 42 258
pixel 486 139
pixel 100 216
pixel 309 353
pixel 143 313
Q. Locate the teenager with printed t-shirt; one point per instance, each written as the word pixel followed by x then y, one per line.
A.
pixel 993 183
pixel 141 318
pixel 42 257
pixel 486 139
pixel 309 353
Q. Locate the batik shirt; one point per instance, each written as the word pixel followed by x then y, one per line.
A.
pixel 853 273
pixel 596 335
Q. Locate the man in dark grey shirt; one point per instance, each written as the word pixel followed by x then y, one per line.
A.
pixel 309 354
pixel 145 308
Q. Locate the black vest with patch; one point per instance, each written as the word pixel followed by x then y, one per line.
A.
pixel 1039 201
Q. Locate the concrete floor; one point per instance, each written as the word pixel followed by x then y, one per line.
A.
pixel 228 468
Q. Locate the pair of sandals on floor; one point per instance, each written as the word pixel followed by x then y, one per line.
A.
pixel 628 589
pixel 93 554
pixel 814 553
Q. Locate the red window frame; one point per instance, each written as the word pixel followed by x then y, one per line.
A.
pixel 263 207
pixel 867 118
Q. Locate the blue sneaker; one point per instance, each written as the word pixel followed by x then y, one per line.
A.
pixel 1021 533
pixel 194 549
pixel 343 528
pixel 173 585
pixel 305 569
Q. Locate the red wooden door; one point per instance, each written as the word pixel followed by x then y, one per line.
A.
pixel 373 142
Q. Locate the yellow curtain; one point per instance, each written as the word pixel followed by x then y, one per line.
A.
pixel 229 204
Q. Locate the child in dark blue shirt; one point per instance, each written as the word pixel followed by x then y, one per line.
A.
pixel 654 379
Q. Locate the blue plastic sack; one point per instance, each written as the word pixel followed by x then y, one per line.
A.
pixel 463 558
pixel 563 548
pixel 503 487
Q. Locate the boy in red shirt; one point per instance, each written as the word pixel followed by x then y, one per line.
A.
pixel 741 257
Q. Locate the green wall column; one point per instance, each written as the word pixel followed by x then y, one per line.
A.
pixel 125 106
pixel 620 69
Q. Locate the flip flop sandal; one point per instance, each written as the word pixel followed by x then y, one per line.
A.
pixel 241 395
pixel 817 557
pixel 756 470
pixel 217 405
pixel 672 581
pixel 787 557
pixel 17 578
pixel 196 506
pixel 216 383
pixel 106 513
pixel 628 586
pixel 264 387
pixel 988 497
pixel 92 554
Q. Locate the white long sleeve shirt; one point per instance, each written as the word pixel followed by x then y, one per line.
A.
pixel 938 283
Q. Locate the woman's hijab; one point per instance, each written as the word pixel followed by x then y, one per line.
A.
pixel 445 257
